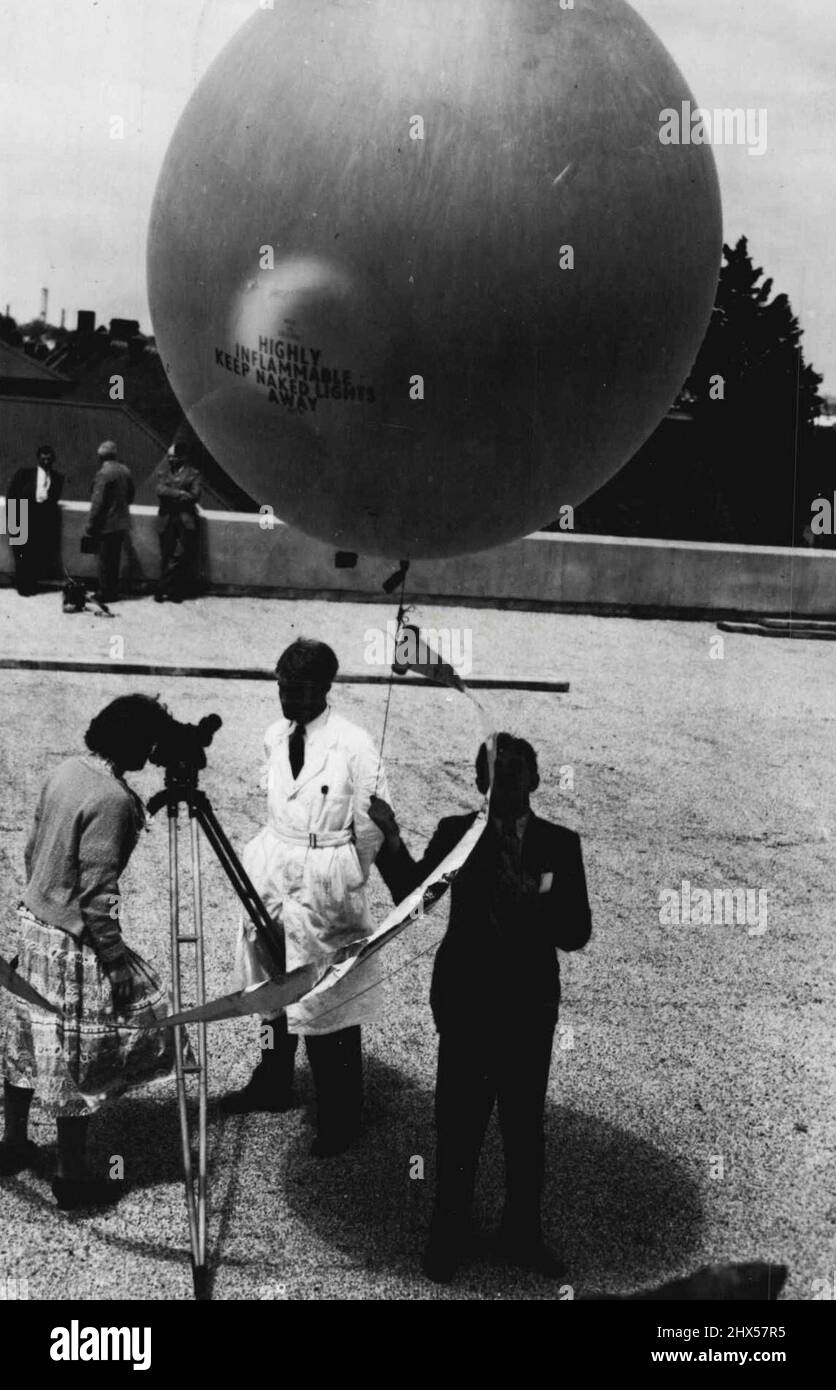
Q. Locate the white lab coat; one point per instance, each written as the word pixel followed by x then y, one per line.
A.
pixel 310 864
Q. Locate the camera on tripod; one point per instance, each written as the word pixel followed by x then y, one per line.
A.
pixel 181 748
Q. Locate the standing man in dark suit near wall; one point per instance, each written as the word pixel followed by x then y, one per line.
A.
pixel 109 520
pixel 178 486
pixel 36 493
pixel 495 995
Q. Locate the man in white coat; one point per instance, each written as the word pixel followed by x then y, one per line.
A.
pixel 310 865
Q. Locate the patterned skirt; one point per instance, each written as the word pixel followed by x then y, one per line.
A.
pixel 77 1062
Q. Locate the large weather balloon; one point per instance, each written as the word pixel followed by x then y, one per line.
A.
pixel 422 272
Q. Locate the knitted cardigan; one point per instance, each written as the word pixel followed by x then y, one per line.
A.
pixel 86 827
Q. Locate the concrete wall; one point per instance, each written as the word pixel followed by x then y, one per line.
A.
pixel 592 573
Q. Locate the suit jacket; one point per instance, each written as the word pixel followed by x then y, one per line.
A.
pixel 494 967
pixel 24 484
pixel 178 491
pixel 111 498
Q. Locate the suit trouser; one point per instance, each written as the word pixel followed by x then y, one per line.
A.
pixel 477 1068
pixel 28 566
pixel 336 1062
pixel 178 559
pixel 110 555
pixel 36 559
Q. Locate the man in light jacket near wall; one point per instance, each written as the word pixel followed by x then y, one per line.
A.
pixel 109 520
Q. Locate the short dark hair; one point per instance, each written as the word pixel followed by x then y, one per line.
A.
pixel 124 723
pixel 44 449
pixel 506 743
pixel 307 661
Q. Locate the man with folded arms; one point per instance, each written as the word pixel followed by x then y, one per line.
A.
pixel 495 992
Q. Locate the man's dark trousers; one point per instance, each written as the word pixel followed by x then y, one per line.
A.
pixel 28 564
pixel 495 996
pixel 178 559
pixel 477 1068
pixel 110 556
pixel 37 558
pixel 336 1062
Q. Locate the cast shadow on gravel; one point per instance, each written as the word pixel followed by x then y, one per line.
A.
pixel 620 1211
pixel 143 1131
pixel 146 1134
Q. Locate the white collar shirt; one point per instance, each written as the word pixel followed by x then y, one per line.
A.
pixel 42 485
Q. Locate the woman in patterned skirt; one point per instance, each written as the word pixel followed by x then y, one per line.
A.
pixel 68 945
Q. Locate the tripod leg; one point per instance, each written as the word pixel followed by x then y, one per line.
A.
pixel 179 1031
pixel 238 877
pixel 203 1079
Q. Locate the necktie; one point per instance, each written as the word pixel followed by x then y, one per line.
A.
pixel 296 750
pixel 510 852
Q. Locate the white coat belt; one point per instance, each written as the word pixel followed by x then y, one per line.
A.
pixel 314 839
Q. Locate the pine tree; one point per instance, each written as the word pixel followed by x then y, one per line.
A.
pixel 755 400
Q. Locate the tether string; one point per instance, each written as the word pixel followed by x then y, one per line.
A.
pixel 391 682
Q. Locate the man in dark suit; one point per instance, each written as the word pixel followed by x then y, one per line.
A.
pixel 35 493
pixel 178 486
pixel 109 519
pixel 495 995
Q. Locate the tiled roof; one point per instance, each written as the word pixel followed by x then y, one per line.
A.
pixel 16 365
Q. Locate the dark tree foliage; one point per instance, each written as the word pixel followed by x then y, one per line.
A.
pixel 742 461
pixel 39 328
pixel 754 400
pixel 9 331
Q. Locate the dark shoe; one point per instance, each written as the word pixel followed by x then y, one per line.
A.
pixel 159 598
pixel 258 1094
pixel 15 1157
pixel 440 1261
pixel 331 1145
pixel 79 1194
pixel 534 1255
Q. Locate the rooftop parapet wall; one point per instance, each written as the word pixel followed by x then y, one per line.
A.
pixel 603 574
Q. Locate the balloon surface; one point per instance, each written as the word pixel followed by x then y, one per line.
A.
pixel 422 272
